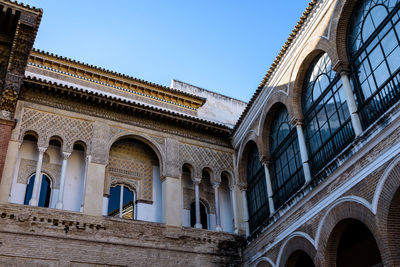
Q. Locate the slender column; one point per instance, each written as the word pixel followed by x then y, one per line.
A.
pixel 351 103
pixel 270 192
pixel 60 203
pixel 217 210
pixel 36 185
pixel 303 150
pixel 234 211
pixel 15 174
pixel 87 160
pixel 121 201
pixel 243 189
pixel 196 182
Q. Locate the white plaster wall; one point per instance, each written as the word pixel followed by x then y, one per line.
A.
pixel 185 217
pixel 217 108
pixel 74 179
pixel 211 221
pixel 152 212
pixel 226 210
pixel 28 150
pixel 105 206
pixel 157 194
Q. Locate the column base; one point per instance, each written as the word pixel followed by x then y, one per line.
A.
pixel 198 226
pixel 218 228
pixel 59 205
pixel 33 202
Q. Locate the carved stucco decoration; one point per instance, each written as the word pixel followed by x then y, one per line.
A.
pixel 202 157
pixel 131 163
pixel 158 143
pixel 8 100
pixel 47 125
pixel 27 168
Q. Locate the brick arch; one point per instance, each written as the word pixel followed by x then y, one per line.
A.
pixel 266 127
pixel 293 244
pixel 307 55
pixel 340 21
pixel 387 197
pixel 243 155
pixel 331 228
pixel 264 262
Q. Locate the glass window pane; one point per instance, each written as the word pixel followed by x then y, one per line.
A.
pixel 113 201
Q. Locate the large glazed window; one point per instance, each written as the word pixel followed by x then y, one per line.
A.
pixel 374 52
pixel 327 119
pixel 121 202
pixel 257 189
pixel 286 168
pixel 45 191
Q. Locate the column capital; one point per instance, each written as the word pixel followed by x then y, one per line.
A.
pixel 196 181
pixel 66 155
pixel 232 187
pixel 297 122
pixel 215 184
pixel 265 160
pixel 243 186
pixel 42 149
pixel 88 158
pixel 342 68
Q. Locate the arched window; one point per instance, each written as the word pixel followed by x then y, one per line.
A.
pixel 373 47
pixel 203 215
pixel 121 202
pixel 45 191
pixel 328 127
pixel 286 167
pixel 257 198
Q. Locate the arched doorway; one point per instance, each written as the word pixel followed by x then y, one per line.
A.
pixel 355 245
pixel 45 191
pixel 203 215
pixel 299 259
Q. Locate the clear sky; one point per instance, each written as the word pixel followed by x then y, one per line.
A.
pixel 225 46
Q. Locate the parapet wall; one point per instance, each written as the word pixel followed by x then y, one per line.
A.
pixel 49 237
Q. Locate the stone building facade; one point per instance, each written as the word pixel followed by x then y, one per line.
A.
pixel 131 173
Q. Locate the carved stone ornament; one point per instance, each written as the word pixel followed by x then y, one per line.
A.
pixel 9 100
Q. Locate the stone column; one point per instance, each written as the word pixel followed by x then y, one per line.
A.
pixel 303 150
pixel 121 201
pixel 196 182
pixel 171 201
pixel 234 211
pixel 218 227
pixel 60 203
pixel 270 192
pixel 243 189
pixel 87 160
pixel 93 204
pixel 351 103
pixel 36 186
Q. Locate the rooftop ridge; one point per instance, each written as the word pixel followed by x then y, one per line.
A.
pixel 211 91
pixel 45 53
pixel 277 60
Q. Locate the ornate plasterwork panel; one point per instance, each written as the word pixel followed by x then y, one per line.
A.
pixel 204 157
pixel 49 124
pixel 27 167
pixel 131 163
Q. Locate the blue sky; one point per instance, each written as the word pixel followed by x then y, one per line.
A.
pixel 223 46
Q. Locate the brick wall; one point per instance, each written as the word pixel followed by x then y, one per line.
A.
pixel 50 237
